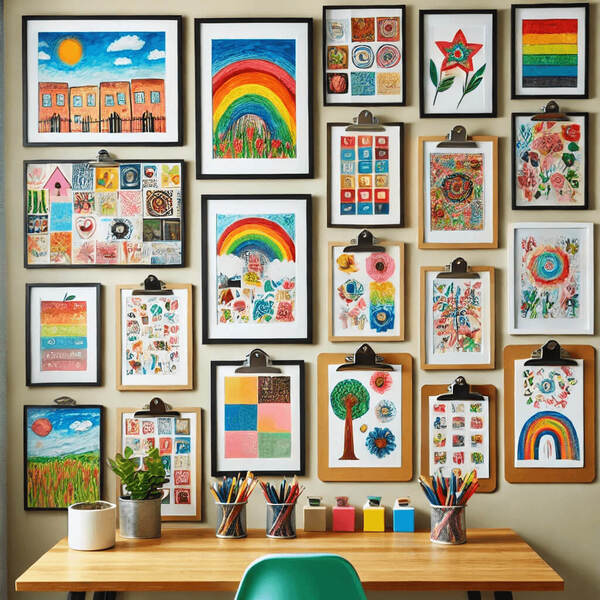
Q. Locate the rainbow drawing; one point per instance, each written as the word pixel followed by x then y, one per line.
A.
pixel 558 427
pixel 254 98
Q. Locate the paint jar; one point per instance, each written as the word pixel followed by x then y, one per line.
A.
pixel 281 520
pixel 448 525
pixel 231 520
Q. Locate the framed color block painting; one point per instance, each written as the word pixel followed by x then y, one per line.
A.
pixel 102 80
pixel 550 50
pixel 257 419
pixel 63 333
pixel 253 98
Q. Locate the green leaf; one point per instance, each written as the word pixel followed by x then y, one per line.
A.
pixel 433 73
pixel 478 73
pixel 446 84
pixel 128 452
pixel 473 84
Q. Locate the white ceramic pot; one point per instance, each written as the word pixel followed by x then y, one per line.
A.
pixel 92 525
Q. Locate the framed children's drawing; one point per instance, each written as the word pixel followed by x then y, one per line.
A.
pixel 551 278
pixel 366 292
pixel 365 175
pixel 63 334
pixel 458 191
pixel 253 98
pixel 549 413
pixel 179 440
pixel 102 80
pixel 457 318
pixel 126 214
pixel 457 63
pixel 63 460
pixel 154 338
pixel 363 55
pixel 549 162
pixel 550 50
pixel 256 269
pixel 257 418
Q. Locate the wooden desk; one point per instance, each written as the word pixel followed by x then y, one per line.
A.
pixel 194 559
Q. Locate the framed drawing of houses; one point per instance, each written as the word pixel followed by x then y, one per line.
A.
pixel 253 98
pixel 102 80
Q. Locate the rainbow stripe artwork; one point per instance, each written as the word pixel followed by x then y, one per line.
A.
pixel 548 435
pixel 256 268
pixel 550 53
pixel 254 98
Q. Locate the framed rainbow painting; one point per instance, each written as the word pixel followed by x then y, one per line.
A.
pixel 253 98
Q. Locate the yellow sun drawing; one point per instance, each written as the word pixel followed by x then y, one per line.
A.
pixel 70 51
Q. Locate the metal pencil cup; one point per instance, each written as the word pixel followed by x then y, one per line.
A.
pixel 448 525
pixel 281 520
pixel 231 519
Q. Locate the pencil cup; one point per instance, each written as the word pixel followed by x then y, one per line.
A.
pixel 448 525
pixel 231 519
pixel 281 520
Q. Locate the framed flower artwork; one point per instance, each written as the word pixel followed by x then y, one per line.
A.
pixel 458 187
pixel 256 269
pixel 550 50
pixel 253 98
pixel 549 162
pixel 457 63
pixel 551 278
pixel 364 55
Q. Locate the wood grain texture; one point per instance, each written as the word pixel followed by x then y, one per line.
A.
pixel 193 559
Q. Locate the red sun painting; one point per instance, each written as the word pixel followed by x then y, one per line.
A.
pixel 41 427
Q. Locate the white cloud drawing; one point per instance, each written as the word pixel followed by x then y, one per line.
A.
pixel 43 44
pixel 80 425
pixel 156 54
pixel 122 60
pixel 43 55
pixel 126 42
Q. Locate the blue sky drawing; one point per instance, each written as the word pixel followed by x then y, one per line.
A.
pixel 286 220
pixel 280 52
pixel 107 56
pixel 73 431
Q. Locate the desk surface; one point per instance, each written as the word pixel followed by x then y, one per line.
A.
pixel 194 559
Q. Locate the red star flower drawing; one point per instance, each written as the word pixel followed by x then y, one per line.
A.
pixel 458 53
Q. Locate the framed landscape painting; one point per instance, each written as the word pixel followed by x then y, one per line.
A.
pixel 256 269
pixel 102 80
pixel 253 98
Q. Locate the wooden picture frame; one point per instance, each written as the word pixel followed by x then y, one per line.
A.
pixel 481 232
pixel 127 381
pixel 190 413
pixel 368 473
pixel 490 313
pixel 371 323
pixel 585 474
pixel 487 484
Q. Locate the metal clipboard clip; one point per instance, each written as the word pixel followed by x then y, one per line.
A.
pixel 152 286
pixel 460 390
pixel 457 138
pixel 103 159
pixel 550 355
pixel 157 408
pixel 257 361
pixel 364 242
pixel 458 269
pixel 365 121
pixel 551 112
pixel 365 359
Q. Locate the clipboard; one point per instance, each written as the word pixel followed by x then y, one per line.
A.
pixel 365 242
pixel 365 360
pixel 551 354
pixel 461 390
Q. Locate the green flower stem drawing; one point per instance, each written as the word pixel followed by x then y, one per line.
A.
pixel 471 84
pixel 441 85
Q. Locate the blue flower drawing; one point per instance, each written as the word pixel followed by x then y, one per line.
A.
pixel 381 442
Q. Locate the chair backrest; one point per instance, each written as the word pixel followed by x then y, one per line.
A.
pixel 300 577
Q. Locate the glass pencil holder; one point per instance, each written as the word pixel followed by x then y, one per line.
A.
pixel 448 525
pixel 231 519
pixel 281 520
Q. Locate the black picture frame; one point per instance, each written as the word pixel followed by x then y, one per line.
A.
pixel 200 174
pixel 182 263
pixel 387 225
pixel 28 371
pixel 101 434
pixel 362 100
pixel 422 15
pixel 513 53
pixel 206 198
pixel 513 155
pixel 214 365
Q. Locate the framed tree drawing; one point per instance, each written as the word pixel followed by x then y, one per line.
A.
pixel 550 50
pixel 365 176
pixel 102 80
pixel 253 98
pixel 458 188
pixel 154 339
pixel 256 269
pixel 551 278
pixel 364 55
pixel 457 63
pixel 63 334
pixel 549 162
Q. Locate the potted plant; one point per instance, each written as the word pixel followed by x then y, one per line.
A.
pixel 91 525
pixel 139 505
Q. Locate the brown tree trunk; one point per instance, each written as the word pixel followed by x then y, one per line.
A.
pixel 350 400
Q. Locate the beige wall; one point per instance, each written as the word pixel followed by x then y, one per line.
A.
pixel 561 522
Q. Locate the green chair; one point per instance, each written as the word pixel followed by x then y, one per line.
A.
pixel 300 577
